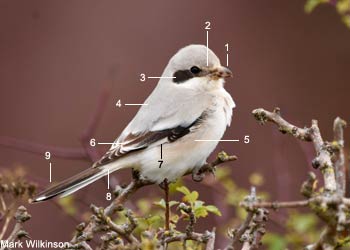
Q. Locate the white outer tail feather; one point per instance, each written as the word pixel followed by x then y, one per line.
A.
pixel 75 187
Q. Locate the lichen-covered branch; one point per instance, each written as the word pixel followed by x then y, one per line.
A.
pixel 252 229
pixel 339 159
pixel 327 203
pixel 324 150
pixel 18 232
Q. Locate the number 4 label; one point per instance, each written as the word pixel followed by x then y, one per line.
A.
pixel 119 103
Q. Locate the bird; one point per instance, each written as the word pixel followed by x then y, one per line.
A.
pixel 186 115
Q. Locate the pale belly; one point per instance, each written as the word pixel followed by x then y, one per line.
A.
pixel 183 155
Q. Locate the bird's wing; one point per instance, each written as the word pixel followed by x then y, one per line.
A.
pixel 163 120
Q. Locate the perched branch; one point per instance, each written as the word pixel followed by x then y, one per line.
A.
pixel 210 167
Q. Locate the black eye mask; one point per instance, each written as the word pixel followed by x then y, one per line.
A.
pixel 184 75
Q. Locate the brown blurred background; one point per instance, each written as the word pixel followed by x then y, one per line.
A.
pixel 56 56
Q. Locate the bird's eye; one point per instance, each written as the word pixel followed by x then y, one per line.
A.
pixel 195 70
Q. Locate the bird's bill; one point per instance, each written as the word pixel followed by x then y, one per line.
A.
pixel 221 72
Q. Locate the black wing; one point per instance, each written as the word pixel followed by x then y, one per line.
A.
pixel 132 143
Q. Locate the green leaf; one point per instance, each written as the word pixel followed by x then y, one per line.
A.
pixel 198 204
pixel 346 20
pixel 173 203
pixel 302 223
pixel 274 242
pixel 343 6
pixel 241 213
pixel 174 218
pixel 200 212
pixel 256 179
pixel 68 205
pixel 183 190
pixel 155 221
pixel 174 185
pixel 191 197
pixel 310 5
pixel 222 173
pixel 144 205
pixel 213 209
pixel 160 203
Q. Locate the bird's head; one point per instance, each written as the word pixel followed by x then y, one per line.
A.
pixel 191 68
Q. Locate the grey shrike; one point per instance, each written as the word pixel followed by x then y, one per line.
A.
pixel 189 104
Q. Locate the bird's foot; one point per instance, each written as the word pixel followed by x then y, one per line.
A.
pixel 199 174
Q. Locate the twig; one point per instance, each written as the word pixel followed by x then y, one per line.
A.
pixel 21 216
pixel 323 159
pixel 319 199
pixel 253 227
pixel 326 240
pixel 276 205
pixel 263 116
pixel 167 207
pixel 211 242
pixel 38 148
pixel 91 128
pixel 323 151
pixel 4 227
pixel 86 152
pixel 184 237
pixel 339 161
pixel 237 234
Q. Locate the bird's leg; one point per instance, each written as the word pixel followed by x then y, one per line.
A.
pixel 165 186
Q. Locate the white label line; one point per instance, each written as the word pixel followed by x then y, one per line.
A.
pixel 218 140
pixel 110 143
pixel 227 60
pixel 158 77
pixel 207 47
pixel 135 104
pixel 107 178
pixel 50 171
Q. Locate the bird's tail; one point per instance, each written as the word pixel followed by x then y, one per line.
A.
pixel 71 184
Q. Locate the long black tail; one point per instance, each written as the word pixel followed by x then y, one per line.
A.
pixel 71 185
